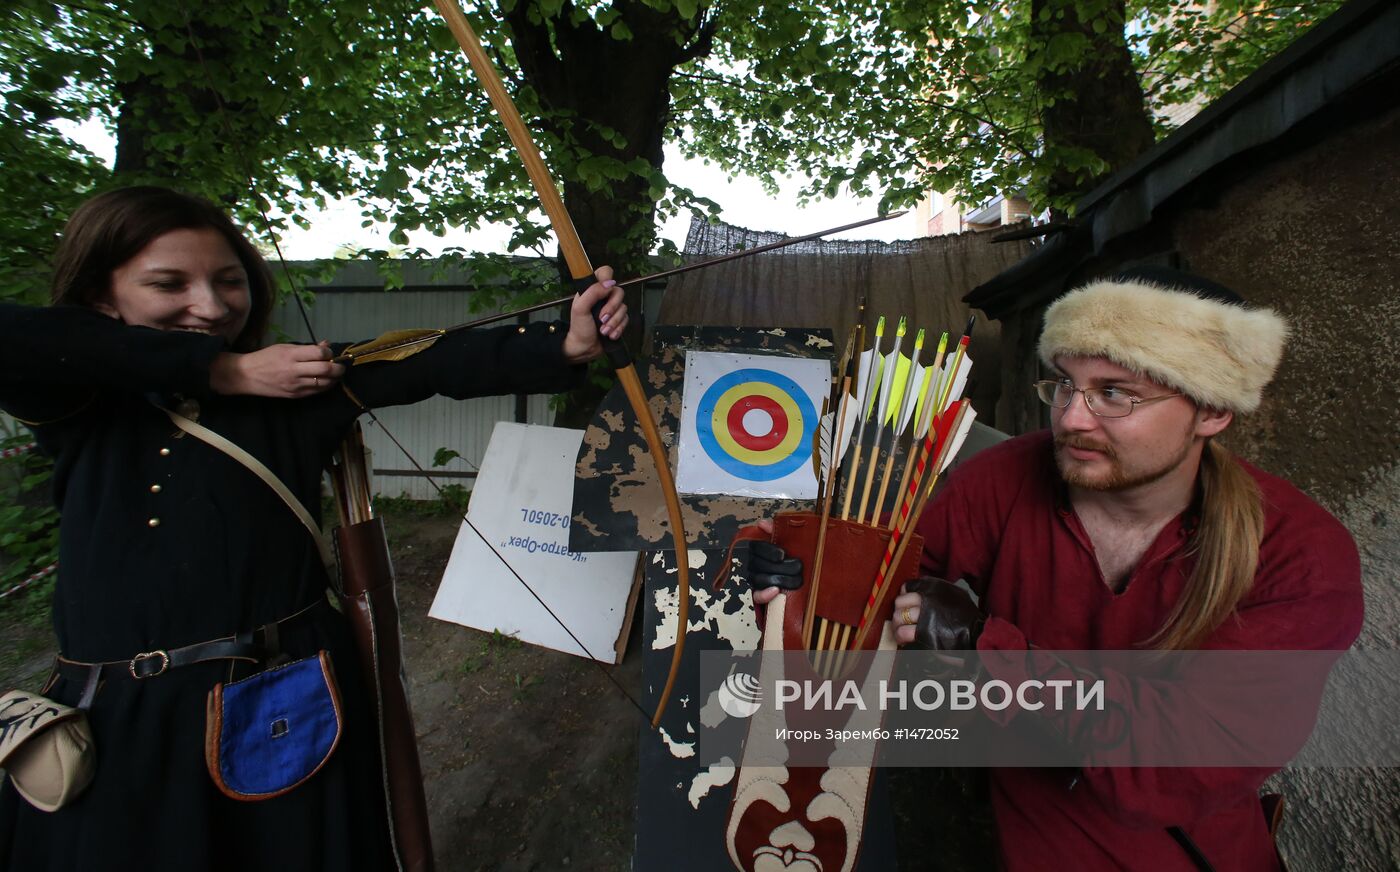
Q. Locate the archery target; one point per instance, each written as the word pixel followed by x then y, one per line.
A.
pixel 752 419
pixel 755 423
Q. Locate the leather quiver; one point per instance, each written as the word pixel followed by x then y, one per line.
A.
pixel 371 606
pixel 852 555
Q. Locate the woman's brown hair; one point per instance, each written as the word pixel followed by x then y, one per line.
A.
pixel 112 228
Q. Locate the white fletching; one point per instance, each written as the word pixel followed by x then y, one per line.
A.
pixel 960 380
pixel 964 427
pixel 868 380
pixel 848 427
pixel 918 386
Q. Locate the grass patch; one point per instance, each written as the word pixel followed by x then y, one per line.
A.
pixel 452 501
pixel 492 649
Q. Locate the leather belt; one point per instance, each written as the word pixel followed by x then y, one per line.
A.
pixel 253 646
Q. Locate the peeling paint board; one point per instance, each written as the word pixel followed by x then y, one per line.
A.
pixel 522 503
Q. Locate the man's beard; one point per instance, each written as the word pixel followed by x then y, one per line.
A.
pixel 1118 478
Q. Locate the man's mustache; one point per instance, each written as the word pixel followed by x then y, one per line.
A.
pixel 1071 440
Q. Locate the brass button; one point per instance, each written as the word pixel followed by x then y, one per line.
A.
pixel 153 522
pixel 520 330
pixel 155 488
pixel 165 452
pixel 551 328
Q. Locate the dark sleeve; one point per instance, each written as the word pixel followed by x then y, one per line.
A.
pixel 462 365
pixel 54 359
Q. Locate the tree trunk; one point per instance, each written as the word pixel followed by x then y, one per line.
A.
pixel 586 79
pixel 174 96
pixel 1098 104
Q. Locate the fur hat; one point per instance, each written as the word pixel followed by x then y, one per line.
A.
pixel 1180 330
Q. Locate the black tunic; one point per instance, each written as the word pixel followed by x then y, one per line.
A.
pixel 165 541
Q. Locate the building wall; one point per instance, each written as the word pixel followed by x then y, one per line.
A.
pixel 1314 236
pixel 940 214
pixel 945 223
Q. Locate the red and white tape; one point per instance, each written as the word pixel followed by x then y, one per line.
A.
pixel 15 452
pixel 38 576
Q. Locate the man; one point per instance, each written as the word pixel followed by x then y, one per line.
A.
pixel 1126 526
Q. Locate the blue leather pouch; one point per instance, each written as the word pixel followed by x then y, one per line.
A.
pixel 268 733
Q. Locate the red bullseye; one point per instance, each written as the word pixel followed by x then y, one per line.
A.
pixel 756 402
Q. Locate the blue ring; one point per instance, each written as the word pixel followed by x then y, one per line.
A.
pixel 704 414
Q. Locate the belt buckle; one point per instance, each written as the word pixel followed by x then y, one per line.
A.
pixel 147 655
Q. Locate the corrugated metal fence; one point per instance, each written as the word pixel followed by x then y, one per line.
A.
pixel 422 428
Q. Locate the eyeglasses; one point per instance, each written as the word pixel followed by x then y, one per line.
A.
pixel 1104 402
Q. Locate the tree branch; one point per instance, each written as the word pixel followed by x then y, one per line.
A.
pixel 702 41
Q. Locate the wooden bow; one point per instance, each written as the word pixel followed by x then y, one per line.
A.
pixel 580 269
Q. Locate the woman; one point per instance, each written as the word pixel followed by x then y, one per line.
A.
pixel 161 303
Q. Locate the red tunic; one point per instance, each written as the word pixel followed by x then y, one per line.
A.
pixel 1004 522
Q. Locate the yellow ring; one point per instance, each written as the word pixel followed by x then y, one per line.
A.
pixel 720 424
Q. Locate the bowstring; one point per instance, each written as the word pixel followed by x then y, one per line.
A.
pixel 246 169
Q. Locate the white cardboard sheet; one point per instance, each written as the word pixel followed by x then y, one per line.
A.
pixel 522 503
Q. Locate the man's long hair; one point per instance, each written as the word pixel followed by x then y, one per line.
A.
pixel 1226 547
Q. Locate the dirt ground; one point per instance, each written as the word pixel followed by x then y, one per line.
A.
pixel 530 755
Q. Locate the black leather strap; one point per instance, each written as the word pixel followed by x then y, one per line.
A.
pixel 253 646
pixel 94 678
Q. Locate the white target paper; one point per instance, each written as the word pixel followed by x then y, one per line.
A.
pixel 747 422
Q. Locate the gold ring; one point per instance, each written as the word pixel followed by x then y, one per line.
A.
pixel 904 616
pixel 316 382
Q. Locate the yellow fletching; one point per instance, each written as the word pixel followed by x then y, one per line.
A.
pixel 901 380
pixel 899 397
pixel 394 345
pixel 925 396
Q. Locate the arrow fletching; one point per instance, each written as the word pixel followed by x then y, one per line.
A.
pixel 871 366
pixel 905 380
pixel 959 437
pixel 394 345
pixel 932 376
pixel 901 381
pixel 821 442
pixel 954 391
